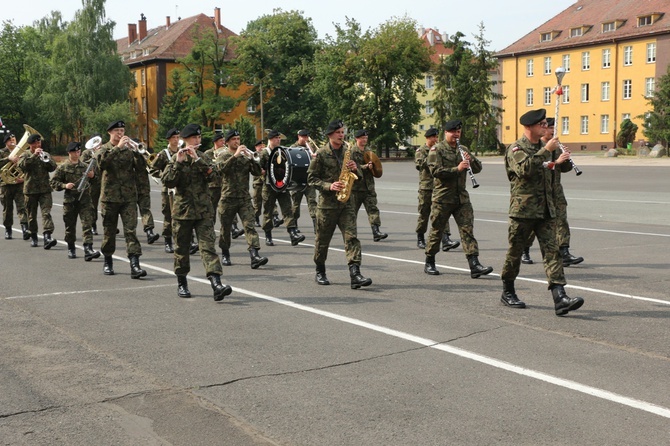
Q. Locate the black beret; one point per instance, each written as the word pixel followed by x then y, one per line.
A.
pixel 73 146
pixel 7 137
pixel 533 117
pixel 190 130
pixel 217 136
pixel 303 132
pixel 116 125
pixel 333 126
pixel 359 133
pixel 231 134
pixel 273 134
pixel 551 122
pixel 454 124
pixel 431 132
pixel 34 138
pixel 259 142
pixel 172 132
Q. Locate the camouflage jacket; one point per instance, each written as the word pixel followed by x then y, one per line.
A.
pixel 234 173
pixel 421 163
pixel 263 161
pixel 323 171
pixel 211 158
pixel 117 169
pixel 36 173
pixel 69 172
pixel 86 157
pixel 449 183
pixel 367 180
pixel 4 156
pixel 190 180
pixel 141 175
pixel 163 158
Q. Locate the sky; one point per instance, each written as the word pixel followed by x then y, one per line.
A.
pixel 505 21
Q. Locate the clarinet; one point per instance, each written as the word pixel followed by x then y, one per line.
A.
pixel 463 155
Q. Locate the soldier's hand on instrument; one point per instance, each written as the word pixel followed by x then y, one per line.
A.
pixel 351 165
pixel 90 173
pixel 463 165
pixel 241 151
pixel 123 141
pixel 181 155
pixel 69 186
pixel 337 186
pixel 565 156
pixel 552 145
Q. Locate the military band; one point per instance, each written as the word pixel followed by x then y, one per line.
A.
pixel 308 192
pixel 161 161
pixel 12 194
pixel 94 183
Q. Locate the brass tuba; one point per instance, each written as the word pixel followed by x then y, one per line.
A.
pixel 10 173
pixel 346 176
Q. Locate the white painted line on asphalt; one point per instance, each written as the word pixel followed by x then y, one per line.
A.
pixel 67 293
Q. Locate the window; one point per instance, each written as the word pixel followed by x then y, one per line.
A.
pixel 547 95
pixel 627 89
pixel 604 123
pixel 546 37
pixel 143 76
pixel 547 65
pixel 651 52
pixel 566 62
pixel 566 94
pixel 529 97
pixel 627 56
pixel 430 82
pixel 584 130
pixel 586 60
pixel 625 116
pixel 251 106
pixel 144 105
pixel 565 125
pixel 605 91
pixel 529 67
pixel 607 56
pixel 644 20
pixel 576 32
pixel 136 104
pixel 422 127
pixel 609 27
pixel 649 87
pixel 429 108
pixel 585 92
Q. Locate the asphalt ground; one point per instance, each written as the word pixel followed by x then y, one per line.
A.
pixel 88 359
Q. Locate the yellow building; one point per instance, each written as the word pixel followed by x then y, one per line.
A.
pixel 613 51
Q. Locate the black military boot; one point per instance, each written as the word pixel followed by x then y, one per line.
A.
pixel 276 221
pixel 564 303
pixel 357 280
pixel 377 234
pixel 225 258
pixel 108 267
pixel 569 259
pixel 135 271
pixel 25 231
pixel 509 296
pixel 448 243
pixel 94 229
pixel 48 241
pixel 71 251
pixel 257 222
pixel 151 237
pixel 89 253
pixel 268 238
pixel 182 287
pixel 236 232
pixel 420 241
pixel 429 267
pixel 8 233
pixel 256 259
pixel 33 240
pixel 220 290
pixel 168 245
pixel 194 246
pixel 525 257
pixel 476 269
pixel 321 278
pixel 295 237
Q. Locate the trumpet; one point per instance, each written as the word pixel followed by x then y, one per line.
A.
pixel 139 147
pixel 45 156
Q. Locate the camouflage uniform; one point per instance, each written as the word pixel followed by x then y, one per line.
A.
pixel 363 192
pixel 270 197
pixel 143 192
pixel 12 194
pixel 323 171
pixel 73 206
pixel 214 184
pixel 532 209
pixel 94 184
pixel 308 192
pixel 450 197
pixel 37 190
pixel 192 209
pixel 257 198
pixel 119 197
pixel 157 168
pixel 425 190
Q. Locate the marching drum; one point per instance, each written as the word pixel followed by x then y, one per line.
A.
pixel 288 169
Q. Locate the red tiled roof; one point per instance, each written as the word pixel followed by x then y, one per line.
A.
pixel 433 39
pixel 593 13
pixel 170 43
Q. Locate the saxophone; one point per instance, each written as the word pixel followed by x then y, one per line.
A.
pixel 347 177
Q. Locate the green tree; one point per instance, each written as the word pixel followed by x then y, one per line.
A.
pixel 173 112
pixel 97 119
pixel 448 84
pixel 627 132
pixel 247 130
pixel 657 121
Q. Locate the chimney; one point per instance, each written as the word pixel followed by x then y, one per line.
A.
pixel 143 26
pixel 167 22
pixel 430 35
pixel 217 18
pixel 132 33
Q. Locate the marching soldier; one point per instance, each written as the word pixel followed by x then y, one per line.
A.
pixel 37 190
pixel 234 165
pixel 363 192
pixel 163 158
pixel 309 192
pixel 449 168
pixel 426 195
pixel 188 173
pixel 94 183
pixel 144 196
pixel 324 175
pixel 12 194
pixel 532 208
pixel 75 203
pixel 257 198
pixel 118 196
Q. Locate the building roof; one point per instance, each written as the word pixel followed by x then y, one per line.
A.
pixel 168 42
pixel 589 16
pixel 433 39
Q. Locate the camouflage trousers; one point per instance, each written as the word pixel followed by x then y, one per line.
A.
pixel 84 210
pixel 562 228
pixel 270 198
pixel 110 221
pixel 12 194
pixel 95 200
pixel 229 208
pixel 183 232
pixel 257 201
pixel 166 210
pixel 326 221
pixel 369 200
pixel 312 202
pixel 215 194
pixel 144 205
pixel 45 202
pixel 464 217
pixel 518 232
pixel 425 202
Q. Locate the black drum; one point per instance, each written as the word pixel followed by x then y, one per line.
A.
pixel 288 169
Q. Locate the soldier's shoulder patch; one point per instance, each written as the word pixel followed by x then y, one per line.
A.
pixel 515 149
pixel 434 148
